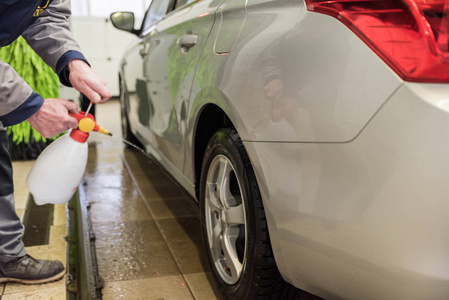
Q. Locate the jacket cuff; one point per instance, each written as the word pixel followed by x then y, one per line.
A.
pixel 61 65
pixel 24 111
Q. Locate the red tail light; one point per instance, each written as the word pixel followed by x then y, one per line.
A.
pixel 411 36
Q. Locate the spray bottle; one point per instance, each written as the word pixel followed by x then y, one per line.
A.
pixel 59 169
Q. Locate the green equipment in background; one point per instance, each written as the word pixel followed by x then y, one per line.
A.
pixel 25 142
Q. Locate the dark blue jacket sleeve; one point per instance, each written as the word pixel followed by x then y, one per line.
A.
pixel 24 111
pixel 61 65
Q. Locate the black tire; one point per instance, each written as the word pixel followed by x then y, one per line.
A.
pixel 259 277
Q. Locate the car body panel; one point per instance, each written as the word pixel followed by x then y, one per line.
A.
pixel 158 112
pixel 357 81
pixel 231 17
pixel 365 219
pixel 134 95
pixel 170 71
pixel 281 41
pixel 350 160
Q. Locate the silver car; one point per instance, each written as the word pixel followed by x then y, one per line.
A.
pixel 314 135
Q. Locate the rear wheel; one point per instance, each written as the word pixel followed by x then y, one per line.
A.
pixel 234 224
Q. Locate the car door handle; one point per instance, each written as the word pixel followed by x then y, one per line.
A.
pixel 187 41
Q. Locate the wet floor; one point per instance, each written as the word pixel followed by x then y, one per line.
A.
pixel 149 243
pixel 55 250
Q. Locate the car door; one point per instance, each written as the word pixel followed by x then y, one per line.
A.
pixel 138 101
pixel 173 48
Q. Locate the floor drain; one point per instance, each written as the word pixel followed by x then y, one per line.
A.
pixel 37 221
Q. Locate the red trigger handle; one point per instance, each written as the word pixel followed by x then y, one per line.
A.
pixel 79 116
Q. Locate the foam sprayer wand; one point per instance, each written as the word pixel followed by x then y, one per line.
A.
pixel 87 123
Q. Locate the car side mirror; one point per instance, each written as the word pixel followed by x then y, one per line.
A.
pixel 124 21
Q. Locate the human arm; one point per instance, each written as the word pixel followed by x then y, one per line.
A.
pixel 17 100
pixel 18 103
pixel 51 39
pixel 53 118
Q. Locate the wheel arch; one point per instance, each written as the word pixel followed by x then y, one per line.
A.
pixel 213 111
pixel 210 111
pixel 210 119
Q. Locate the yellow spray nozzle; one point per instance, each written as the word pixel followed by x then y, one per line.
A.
pixel 104 131
pixel 86 124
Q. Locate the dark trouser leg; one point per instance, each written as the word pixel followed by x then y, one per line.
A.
pixel 11 229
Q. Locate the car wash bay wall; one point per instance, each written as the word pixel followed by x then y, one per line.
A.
pixel 103 45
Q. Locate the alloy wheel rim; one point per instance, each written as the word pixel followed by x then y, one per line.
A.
pixel 226 222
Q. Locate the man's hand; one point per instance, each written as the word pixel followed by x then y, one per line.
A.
pixel 86 81
pixel 53 117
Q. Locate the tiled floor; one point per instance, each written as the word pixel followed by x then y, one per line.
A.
pixel 149 243
pixel 148 237
pixel 55 250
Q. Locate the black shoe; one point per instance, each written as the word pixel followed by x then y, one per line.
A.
pixel 27 270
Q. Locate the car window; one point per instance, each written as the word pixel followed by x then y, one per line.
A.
pixel 156 12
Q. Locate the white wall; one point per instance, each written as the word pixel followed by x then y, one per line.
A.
pixel 103 8
pixel 103 45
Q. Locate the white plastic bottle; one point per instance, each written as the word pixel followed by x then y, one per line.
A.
pixel 59 169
